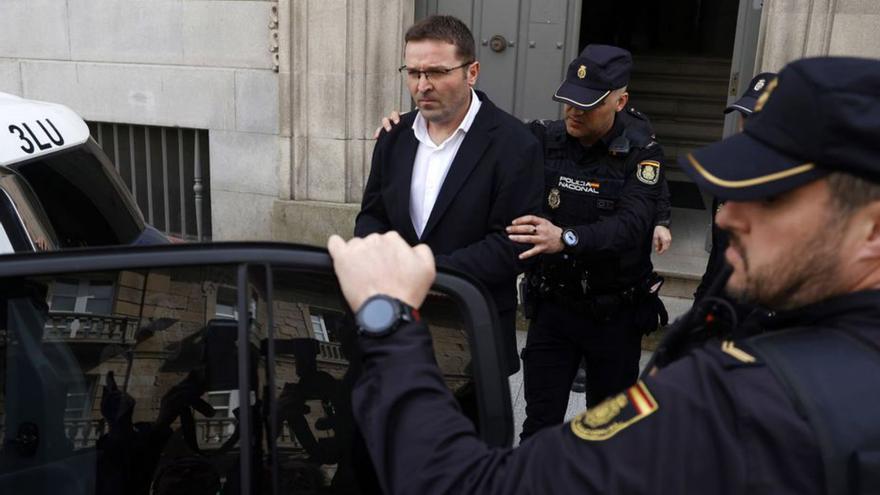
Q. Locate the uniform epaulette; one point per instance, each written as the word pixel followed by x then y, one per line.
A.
pixel 729 348
pixel 637 114
pixel 638 128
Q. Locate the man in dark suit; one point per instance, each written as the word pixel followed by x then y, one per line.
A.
pixel 455 173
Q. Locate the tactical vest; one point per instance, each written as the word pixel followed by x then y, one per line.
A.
pixel 581 186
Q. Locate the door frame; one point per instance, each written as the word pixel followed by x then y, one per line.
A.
pixel 744 60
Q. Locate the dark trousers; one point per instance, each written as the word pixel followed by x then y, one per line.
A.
pixel 558 338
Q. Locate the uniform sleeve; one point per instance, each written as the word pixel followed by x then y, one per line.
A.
pixel 633 218
pixel 675 433
pixel 495 258
pixel 664 206
pixel 372 218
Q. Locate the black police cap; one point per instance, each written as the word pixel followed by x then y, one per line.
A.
pixel 820 115
pixel 597 71
pixel 746 104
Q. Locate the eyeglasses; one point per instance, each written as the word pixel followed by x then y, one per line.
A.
pixel 433 73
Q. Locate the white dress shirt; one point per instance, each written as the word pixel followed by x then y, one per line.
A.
pixel 432 164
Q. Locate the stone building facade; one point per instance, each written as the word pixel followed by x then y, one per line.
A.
pixel 288 91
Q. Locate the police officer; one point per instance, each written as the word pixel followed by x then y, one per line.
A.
pixel 793 410
pixel 591 290
pixel 743 108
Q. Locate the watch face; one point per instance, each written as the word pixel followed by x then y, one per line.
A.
pixel 570 238
pixel 377 315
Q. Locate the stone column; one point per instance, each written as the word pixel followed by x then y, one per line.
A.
pixel 342 79
pixel 792 29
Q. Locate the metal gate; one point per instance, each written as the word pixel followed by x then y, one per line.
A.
pixel 167 171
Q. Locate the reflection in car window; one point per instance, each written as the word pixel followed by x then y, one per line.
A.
pixel 5 244
pixel 128 382
pixel 315 369
pixel 16 229
pixel 123 382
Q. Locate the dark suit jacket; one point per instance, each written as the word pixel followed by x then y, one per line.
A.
pixel 496 176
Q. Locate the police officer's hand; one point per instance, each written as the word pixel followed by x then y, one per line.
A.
pixel 531 229
pixel 382 264
pixel 387 123
pixel 662 238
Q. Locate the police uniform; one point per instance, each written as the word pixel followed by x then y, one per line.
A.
pixel 591 301
pixel 722 418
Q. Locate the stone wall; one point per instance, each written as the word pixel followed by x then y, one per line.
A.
pixel 792 29
pixel 206 64
pixel 344 56
pixel 290 91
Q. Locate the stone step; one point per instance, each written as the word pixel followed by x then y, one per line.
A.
pixel 678 285
pixel 682 66
pixel 673 148
pixel 696 86
pixel 692 130
pixel 676 307
pixel 660 106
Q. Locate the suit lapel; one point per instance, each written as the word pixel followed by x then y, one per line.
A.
pixel 468 156
pixel 403 158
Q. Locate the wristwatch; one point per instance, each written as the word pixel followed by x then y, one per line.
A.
pixel 380 315
pixel 569 239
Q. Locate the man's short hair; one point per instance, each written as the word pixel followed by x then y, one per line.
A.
pixel 850 192
pixel 444 28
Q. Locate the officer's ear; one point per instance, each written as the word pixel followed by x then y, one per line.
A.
pixel 866 221
pixel 622 100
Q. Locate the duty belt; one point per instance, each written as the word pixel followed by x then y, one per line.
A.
pixel 577 296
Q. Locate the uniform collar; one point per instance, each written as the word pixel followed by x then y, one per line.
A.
pixel 579 152
pixel 616 130
pixel 856 306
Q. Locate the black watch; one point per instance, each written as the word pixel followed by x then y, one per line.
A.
pixel 380 315
pixel 569 239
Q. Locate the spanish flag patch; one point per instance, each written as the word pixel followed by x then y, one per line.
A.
pixel 613 415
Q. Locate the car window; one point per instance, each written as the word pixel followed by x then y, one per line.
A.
pixel 131 381
pixel 5 243
pixel 126 382
pixel 23 220
pixel 84 199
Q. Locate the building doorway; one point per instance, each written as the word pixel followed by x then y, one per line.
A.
pixel 682 51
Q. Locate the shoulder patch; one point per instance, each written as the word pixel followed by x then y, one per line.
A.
pixel 648 171
pixel 615 414
pixel 729 348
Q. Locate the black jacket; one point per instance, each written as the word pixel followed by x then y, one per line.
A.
pixel 496 176
pixel 715 421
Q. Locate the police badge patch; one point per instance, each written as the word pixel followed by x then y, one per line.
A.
pixel 648 171
pixel 553 198
pixel 608 418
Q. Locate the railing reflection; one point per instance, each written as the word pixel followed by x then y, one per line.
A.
pixel 84 327
pixel 331 352
pixel 84 433
pixel 212 433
